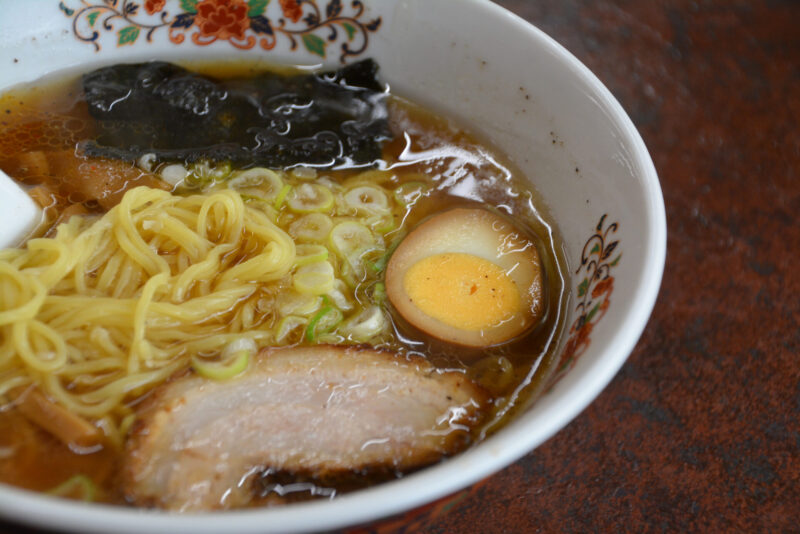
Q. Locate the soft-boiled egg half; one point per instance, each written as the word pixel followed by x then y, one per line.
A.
pixel 467 276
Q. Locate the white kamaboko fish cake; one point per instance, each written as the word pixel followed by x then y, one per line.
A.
pixel 312 410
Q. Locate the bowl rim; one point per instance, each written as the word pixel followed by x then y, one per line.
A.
pixel 428 485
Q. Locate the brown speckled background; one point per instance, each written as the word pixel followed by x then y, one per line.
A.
pixel 700 431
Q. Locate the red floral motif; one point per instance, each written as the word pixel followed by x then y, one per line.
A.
pixel 222 19
pixel 578 342
pixel 154 6
pixel 595 290
pixel 291 10
pixel 603 287
pixel 328 24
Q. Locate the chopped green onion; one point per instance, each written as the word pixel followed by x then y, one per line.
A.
pixel 146 162
pixel 308 198
pixel 222 371
pixel 338 297
pixel 306 254
pixel 349 275
pixel 293 303
pixel 314 278
pixel 367 199
pixel 364 326
pixel 173 174
pixel 282 196
pixel 261 204
pixel 323 322
pixel 350 239
pixel 314 227
pixel 380 264
pixel 204 172
pixel 267 181
pixel 287 325
pixel 379 293
pixel 237 345
pixel 304 173
pixel 382 224
pixel 77 485
pixel 331 338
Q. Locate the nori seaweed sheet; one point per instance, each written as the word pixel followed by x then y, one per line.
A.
pixel 328 119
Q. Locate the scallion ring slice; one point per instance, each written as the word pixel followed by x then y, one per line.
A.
pixel 349 238
pixel 287 325
pixel 367 200
pixel 261 204
pixel 313 228
pixel 173 174
pixel 364 326
pixel 314 278
pixel 267 181
pixel 223 370
pixel 323 322
pixel 304 173
pixel 337 295
pixel 293 303
pixel 308 198
pixel 305 254
pixel 205 172
pixel 383 224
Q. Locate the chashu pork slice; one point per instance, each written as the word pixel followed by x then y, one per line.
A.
pixel 315 410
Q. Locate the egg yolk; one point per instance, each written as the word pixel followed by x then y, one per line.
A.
pixel 462 291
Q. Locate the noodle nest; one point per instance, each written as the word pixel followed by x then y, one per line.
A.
pixel 111 306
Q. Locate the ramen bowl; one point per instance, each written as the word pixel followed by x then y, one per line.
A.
pixel 468 59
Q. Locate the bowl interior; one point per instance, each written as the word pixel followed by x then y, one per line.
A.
pixel 513 86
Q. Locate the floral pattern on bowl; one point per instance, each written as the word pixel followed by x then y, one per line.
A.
pixel 594 290
pixel 241 23
pixel 515 83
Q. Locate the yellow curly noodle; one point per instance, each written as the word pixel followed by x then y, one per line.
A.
pixel 112 306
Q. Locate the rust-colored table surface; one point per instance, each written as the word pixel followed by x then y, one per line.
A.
pixel 700 431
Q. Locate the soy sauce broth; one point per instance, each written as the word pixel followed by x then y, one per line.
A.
pixel 463 170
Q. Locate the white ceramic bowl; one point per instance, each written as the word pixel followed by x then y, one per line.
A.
pixel 469 59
